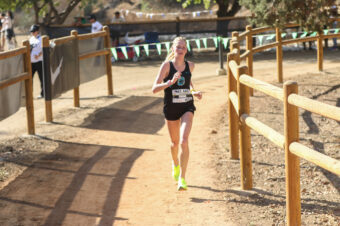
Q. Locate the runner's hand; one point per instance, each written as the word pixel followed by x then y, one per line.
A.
pixel 177 76
pixel 197 94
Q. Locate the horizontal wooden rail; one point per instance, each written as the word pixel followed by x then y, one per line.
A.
pixel 244 34
pixel 59 41
pixel 233 67
pixel 315 157
pixel 234 100
pixel 264 130
pixel 94 54
pixel 261 30
pixel 244 55
pixel 264 47
pixel 314 106
pixel 264 87
pixel 297 40
pixel 331 36
pixel 92 35
pixel 12 53
pixel 11 81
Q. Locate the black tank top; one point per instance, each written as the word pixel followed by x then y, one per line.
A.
pixel 178 94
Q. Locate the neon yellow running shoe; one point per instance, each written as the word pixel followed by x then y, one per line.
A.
pixel 182 185
pixel 175 171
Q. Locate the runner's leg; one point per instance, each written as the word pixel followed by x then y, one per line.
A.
pixel 174 127
pixel 186 124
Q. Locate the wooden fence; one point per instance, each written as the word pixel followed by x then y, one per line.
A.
pixel 26 76
pixel 74 36
pixel 250 50
pixel 240 83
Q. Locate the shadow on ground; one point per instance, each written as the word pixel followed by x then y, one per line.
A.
pixel 76 183
pixel 135 114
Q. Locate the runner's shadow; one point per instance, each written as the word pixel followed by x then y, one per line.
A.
pixel 136 114
pixel 72 184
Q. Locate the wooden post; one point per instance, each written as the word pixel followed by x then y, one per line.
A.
pixel 279 56
pixel 291 132
pixel 76 102
pixel 233 118
pixel 47 79
pixel 29 90
pixel 108 61
pixel 245 142
pixel 178 29
pixel 235 35
pixel 320 52
pixel 221 70
pixel 249 46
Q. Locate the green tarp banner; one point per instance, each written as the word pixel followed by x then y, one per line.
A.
pixel 215 41
pixel 188 46
pixel 198 43
pixel 167 45
pixel 114 53
pixel 146 48
pixel 283 35
pixel 336 31
pixel 205 43
pixel 304 34
pixel 137 50
pixel 271 36
pixel 294 35
pixel 314 34
pixel 159 48
pixel 261 39
pixel 225 42
pixel 124 52
pixel 325 32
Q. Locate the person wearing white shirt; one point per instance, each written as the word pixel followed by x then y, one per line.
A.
pixel 37 55
pixel 95 25
pixel 117 18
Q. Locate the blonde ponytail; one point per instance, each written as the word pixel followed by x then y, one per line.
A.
pixel 171 54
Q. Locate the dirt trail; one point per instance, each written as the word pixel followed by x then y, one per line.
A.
pixel 110 162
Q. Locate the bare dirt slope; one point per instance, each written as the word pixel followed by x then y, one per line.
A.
pixel 108 162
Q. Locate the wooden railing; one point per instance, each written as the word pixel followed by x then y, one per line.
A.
pixel 240 122
pixel 26 76
pixel 106 52
pixel 250 50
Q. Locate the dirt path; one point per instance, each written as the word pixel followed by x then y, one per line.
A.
pixel 109 161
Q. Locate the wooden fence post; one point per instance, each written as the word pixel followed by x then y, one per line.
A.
pixel 76 102
pixel 292 162
pixel 279 55
pixel 108 61
pixel 47 79
pixel 320 52
pixel 233 118
pixel 29 90
pixel 220 70
pixel 249 47
pixel 245 142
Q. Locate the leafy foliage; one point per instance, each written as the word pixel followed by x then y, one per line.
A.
pixel 225 7
pixel 45 11
pixel 312 15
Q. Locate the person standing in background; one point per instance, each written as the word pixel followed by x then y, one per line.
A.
pixel 9 31
pixel 95 25
pixel 37 55
pixel 117 18
pixel 2 32
pixel 334 14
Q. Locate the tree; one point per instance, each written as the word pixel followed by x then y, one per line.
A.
pixel 46 12
pixel 312 15
pixel 225 7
